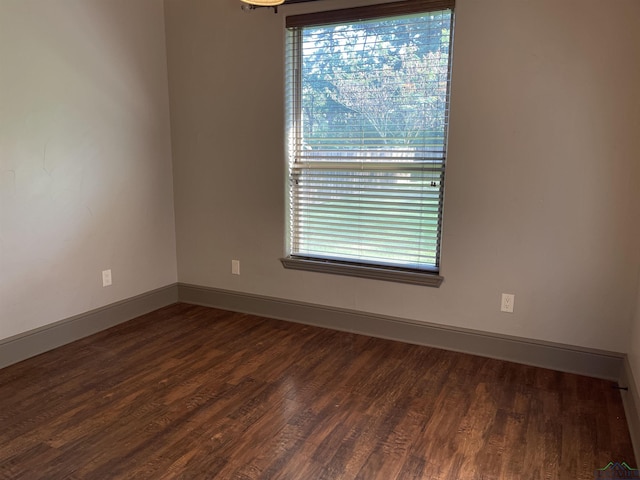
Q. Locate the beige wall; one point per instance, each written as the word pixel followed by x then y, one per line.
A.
pixel 542 196
pixel 85 157
pixel 542 183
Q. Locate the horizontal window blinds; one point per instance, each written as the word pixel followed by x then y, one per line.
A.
pixel 367 130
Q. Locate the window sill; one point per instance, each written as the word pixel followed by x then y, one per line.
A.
pixel 425 279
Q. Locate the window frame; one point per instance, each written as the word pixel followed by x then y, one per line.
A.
pixel 425 276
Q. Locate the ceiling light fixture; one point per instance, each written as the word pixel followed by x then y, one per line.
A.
pixel 264 3
pixel 250 5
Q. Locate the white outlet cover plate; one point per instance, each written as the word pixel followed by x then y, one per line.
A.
pixel 106 278
pixel 506 304
pixel 235 267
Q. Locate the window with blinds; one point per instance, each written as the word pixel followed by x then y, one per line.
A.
pixel 367 109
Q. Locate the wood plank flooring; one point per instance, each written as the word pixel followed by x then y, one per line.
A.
pixel 189 392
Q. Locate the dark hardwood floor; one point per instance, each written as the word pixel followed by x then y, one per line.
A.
pixel 193 392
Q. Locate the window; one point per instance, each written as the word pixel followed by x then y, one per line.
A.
pixel 367 109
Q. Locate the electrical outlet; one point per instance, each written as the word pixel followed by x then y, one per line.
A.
pixel 235 267
pixel 106 278
pixel 507 302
